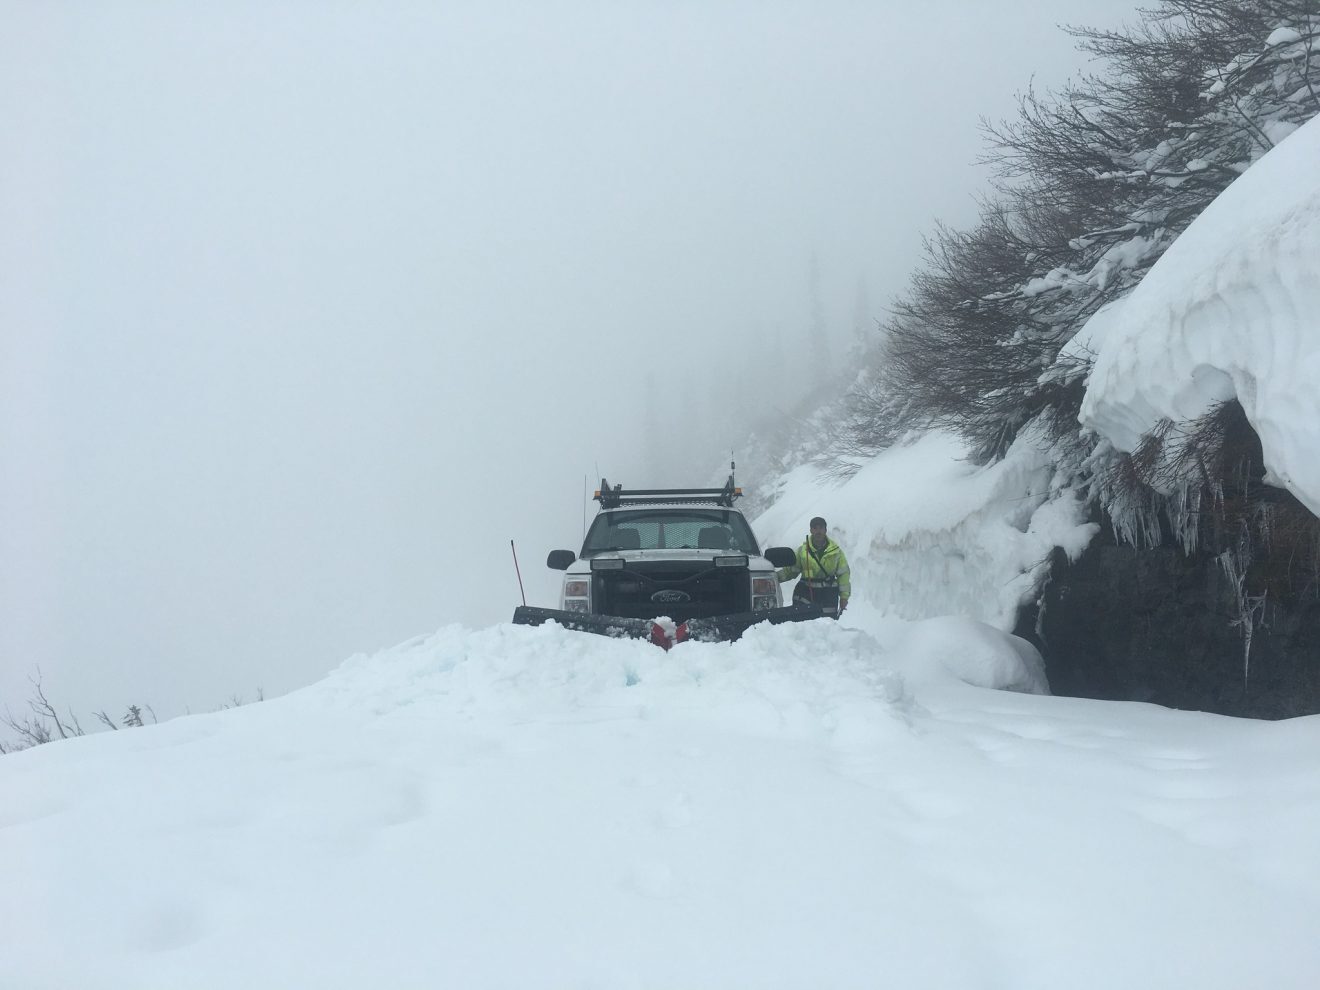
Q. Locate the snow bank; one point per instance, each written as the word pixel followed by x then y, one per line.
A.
pixel 1232 309
pixel 776 678
pixel 790 676
pixel 927 533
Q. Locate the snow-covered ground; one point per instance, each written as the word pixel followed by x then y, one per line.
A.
pixel 815 806
pixel 852 804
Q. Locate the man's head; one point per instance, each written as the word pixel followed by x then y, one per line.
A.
pixel 818 535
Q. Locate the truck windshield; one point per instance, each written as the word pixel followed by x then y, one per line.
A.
pixel 678 528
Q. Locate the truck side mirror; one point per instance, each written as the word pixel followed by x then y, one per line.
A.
pixel 560 560
pixel 781 556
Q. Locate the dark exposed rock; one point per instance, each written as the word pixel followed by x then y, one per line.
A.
pixel 1161 626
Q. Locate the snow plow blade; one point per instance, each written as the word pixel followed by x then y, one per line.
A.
pixel 616 626
pixel 727 628
pixel 715 629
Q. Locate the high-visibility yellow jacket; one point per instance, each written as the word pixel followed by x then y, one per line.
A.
pixel 827 568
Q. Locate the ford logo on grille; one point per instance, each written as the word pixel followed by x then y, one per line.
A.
pixel 669 596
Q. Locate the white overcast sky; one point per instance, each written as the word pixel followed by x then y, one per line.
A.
pixel 307 309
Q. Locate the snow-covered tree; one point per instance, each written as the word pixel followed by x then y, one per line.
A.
pixel 1092 185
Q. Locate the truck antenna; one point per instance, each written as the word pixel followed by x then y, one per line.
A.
pixel 517 570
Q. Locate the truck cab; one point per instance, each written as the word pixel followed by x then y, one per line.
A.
pixel 679 553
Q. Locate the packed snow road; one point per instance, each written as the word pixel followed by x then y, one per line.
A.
pixel 813 806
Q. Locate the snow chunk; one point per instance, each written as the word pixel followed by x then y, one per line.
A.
pixel 1277 130
pixel 1283 36
pixel 977 654
pixel 1232 309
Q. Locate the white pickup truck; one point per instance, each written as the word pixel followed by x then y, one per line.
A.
pixel 668 565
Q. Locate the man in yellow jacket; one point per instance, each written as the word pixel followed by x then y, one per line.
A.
pixel 823 572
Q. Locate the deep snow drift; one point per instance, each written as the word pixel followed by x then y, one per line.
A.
pixel 1232 309
pixel 815 806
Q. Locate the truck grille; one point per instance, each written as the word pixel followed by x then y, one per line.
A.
pixel 680 589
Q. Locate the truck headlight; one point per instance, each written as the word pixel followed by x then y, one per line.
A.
pixel 577 594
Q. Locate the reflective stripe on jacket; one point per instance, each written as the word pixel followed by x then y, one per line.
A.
pixel 826 568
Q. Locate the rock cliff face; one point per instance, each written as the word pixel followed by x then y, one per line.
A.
pixel 1157 625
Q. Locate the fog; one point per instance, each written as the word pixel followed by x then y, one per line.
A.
pixel 308 309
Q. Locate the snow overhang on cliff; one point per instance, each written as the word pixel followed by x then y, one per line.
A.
pixel 1232 310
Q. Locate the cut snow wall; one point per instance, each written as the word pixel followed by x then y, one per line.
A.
pixel 927 533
